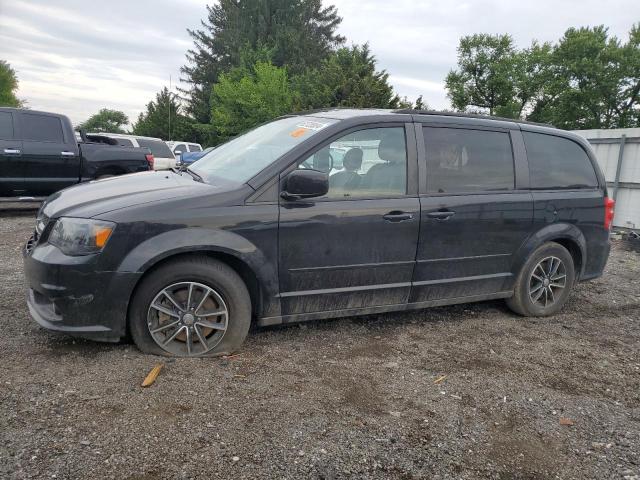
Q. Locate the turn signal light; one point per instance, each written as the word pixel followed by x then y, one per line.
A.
pixel 102 234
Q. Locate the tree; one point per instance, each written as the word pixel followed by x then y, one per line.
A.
pixel 245 98
pixel 586 80
pixel 347 78
pixel 298 35
pixel 106 120
pixel 8 86
pixel 594 81
pixel 163 119
pixel 493 76
pixel 421 104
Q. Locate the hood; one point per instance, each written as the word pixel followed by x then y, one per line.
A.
pixel 100 196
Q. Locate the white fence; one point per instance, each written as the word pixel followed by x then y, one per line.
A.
pixel 618 152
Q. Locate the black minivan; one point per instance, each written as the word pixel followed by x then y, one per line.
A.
pixel 318 215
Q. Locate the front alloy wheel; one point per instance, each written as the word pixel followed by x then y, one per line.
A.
pixel 187 318
pixel 190 306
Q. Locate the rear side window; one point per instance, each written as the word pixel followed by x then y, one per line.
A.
pixel 463 160
pixel 181 147
pixel 556 162
pixel 124 142
pixel 42 128
pixel 194 148
pixel 6 126
pixel 157 147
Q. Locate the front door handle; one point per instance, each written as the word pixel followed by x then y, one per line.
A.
pixel 12 151
pixel 68 154
pixel 445 215
pixel 397 216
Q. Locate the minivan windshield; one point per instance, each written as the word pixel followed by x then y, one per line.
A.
pixel 243 157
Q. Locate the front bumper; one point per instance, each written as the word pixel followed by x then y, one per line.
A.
pixel 69 294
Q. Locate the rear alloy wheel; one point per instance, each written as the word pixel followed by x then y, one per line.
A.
pixel 190 307
pixel 544 283
pixel 547 280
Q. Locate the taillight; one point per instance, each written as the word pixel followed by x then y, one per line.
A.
pixel 150 160
pixel 609 203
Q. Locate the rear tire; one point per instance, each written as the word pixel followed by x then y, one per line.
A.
pixel 187 293
pixel 544 282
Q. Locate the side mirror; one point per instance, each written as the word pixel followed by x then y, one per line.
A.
pixel 305 183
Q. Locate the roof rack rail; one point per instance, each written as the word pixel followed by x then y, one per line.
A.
pixel 469 115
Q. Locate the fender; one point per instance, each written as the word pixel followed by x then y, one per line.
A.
pixel 548 233
pixel 190 240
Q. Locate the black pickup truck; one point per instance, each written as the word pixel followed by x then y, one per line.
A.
pixel 39 155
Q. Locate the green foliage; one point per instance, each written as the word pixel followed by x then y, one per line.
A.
pixel 245 98
pixel 164 119
pixel 594 81
pixel 347 78
pixel 8 86
pixel 297 35
pixel 106 120
pixel 421 104
pixel 493 76
pixel 253 94
pixel 586 80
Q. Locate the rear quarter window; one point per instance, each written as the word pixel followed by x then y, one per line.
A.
pixel 41 128
pixel 157 147
pixel 6 126
pixel 124 142
pixel 556 162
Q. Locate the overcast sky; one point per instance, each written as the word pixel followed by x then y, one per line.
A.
pixel 77 56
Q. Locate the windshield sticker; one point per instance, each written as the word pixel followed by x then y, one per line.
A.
pixel 298 132
pixel 311 125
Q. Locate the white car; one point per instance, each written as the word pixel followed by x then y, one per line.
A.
pixel 164 157
pixel 178 147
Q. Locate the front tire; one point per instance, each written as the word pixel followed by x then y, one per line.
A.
pixel 190 307
pixel 544 282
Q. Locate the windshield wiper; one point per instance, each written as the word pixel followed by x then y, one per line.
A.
pixel 195 176
pixel 185 168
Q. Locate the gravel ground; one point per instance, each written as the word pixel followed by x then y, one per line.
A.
pixel 345 398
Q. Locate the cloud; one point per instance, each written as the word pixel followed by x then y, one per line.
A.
pixel 76 57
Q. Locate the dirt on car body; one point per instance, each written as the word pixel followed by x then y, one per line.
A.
pixel 349 398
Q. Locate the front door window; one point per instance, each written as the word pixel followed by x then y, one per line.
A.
pixel 370 163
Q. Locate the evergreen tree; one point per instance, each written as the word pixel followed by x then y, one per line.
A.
pixel 297 34
pixel 347 78
pixel 163 119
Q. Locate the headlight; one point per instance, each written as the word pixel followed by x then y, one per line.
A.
pixel 80 236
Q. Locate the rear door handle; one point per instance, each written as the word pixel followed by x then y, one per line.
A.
pixel 397 216
pixel 441 215
pixel 12 151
